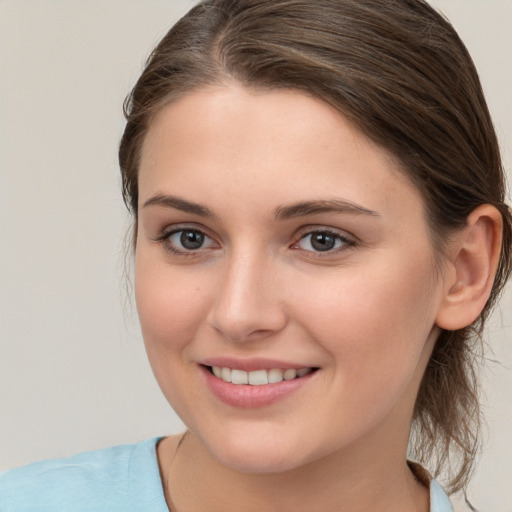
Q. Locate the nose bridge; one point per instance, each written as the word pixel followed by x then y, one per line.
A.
pixel 247 304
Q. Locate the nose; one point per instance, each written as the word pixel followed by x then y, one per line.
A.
pixel 248 304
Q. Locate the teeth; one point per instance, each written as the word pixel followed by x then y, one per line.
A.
pixel 258 377
pixel 239 377
pixel 225 374
pixel 290 374
pixel 275 375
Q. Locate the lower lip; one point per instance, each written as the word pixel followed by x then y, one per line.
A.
pixel 248 396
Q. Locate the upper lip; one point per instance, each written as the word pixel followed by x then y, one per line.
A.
pixel 252 364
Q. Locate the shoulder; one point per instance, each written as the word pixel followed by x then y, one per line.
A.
pixel 97 480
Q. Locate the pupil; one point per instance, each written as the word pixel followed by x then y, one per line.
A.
pixel 192 239
pixel 322 241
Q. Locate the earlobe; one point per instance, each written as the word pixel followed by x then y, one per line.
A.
pixel 472 268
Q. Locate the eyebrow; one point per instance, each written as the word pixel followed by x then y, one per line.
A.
pixel 180 204
pixel 321 206
pixel 286 212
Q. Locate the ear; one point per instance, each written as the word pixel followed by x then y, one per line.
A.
pixel 473 261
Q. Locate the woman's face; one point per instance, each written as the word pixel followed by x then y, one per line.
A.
pixel 275 236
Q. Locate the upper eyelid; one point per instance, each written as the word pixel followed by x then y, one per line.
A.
pixel 176 228
pixel 308 230
pixel 164 234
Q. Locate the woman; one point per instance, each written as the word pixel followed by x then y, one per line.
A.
pixel 320 232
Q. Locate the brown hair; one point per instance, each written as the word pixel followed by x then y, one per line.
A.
pixel 398 70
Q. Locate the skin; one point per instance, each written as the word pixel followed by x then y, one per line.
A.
pixel 364 313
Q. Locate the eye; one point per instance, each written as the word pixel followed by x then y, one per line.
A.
pixel 187 241
pixel 323 241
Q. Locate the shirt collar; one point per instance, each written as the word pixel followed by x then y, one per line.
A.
pixel 439 501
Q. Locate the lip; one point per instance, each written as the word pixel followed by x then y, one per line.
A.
pixel 251 365
pixel 246 396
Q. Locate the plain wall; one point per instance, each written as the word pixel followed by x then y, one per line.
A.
pixel 73 373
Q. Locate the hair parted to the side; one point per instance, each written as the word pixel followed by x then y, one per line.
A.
pixel 398 70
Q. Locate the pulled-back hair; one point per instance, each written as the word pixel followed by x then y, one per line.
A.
pixel 399 72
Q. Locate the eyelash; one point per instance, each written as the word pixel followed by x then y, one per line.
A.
pixel 165 237
pixel 346 242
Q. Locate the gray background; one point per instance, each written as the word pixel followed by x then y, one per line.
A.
pixel 73 373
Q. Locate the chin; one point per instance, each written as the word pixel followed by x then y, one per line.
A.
pixel 260 454
pixel 258 463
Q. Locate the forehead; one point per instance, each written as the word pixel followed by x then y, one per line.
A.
pixel 272 145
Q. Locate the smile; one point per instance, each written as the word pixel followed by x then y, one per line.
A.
pixel 258 377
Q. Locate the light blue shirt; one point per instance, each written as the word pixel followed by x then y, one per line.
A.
pixel 123 478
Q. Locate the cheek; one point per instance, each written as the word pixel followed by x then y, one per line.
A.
pixel 373 322
pixel 374 328
pixel 171 304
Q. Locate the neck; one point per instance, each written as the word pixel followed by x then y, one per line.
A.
pixel 355 480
